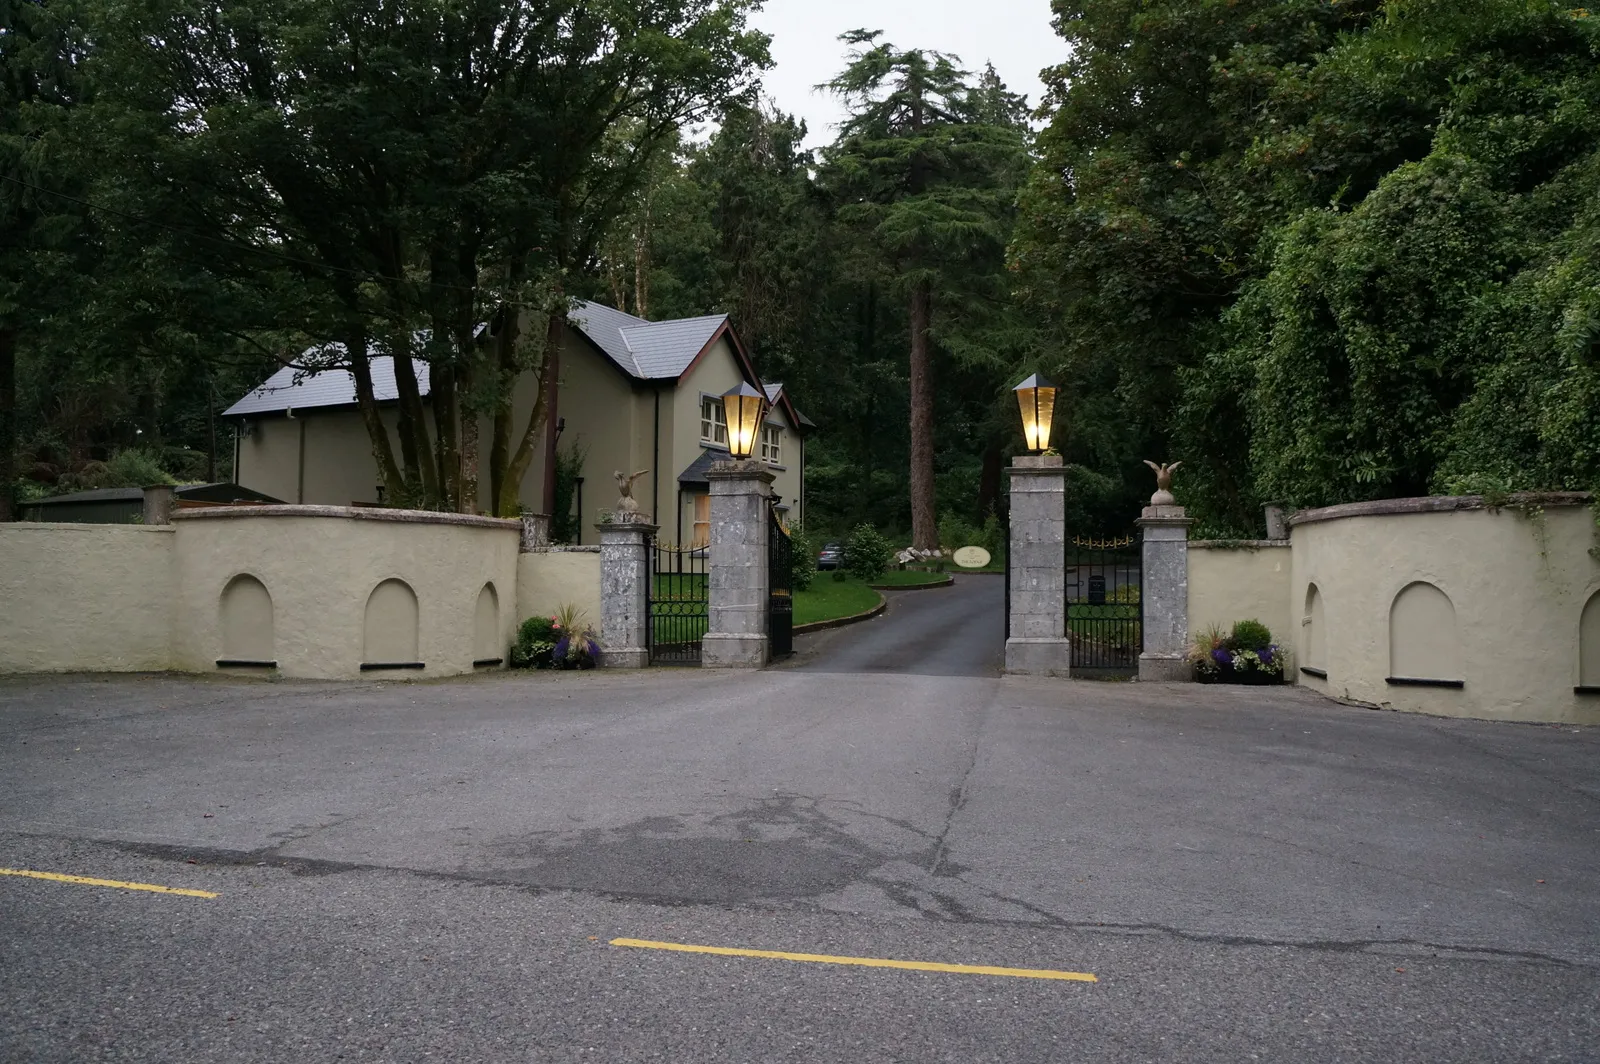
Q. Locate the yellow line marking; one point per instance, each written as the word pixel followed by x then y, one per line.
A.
pixel 57 877
pixel 866 962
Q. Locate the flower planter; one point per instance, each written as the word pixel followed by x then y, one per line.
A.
pixel 1248 677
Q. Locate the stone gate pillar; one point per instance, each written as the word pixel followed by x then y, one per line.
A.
pixel 737 636
pixel 1036 643
pixel 624 588
pixel 1165 594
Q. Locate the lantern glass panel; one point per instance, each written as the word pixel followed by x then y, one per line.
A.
pixel 744 407
pixel 1038 410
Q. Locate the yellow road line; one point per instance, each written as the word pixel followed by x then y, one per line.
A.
pixel 867 962
pixel 58 877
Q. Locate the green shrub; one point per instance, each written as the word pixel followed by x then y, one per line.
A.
pixel 866 553
pixel 1250 635
pixel 803 559
pixel 993 539
pixel 536 641
pixel 955 533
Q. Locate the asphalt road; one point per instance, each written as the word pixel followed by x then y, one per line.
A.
pixel 436 871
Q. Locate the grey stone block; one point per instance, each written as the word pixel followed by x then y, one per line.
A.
pixel 1038 657
pixel 624 589
pixel 1157 668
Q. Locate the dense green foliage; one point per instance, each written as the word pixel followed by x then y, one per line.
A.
pixel 1322 252
pixel 803 549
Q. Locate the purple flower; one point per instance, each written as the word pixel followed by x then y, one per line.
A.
pixel 560 653
pixel 1265 653
pixel 1221 656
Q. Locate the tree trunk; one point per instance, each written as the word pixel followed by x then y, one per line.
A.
pixel 413 426
pixel 8 423
pixel 444 400
pixel 507 503
pixel 924 511
pixel 989 477
pixel 469 445
pixel 505 368
pixel 382 450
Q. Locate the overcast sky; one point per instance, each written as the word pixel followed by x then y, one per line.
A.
pixel 1014 35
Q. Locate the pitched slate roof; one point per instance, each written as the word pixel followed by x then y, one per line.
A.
pixel 774 391
pixel 300 389
pixel 645 350
pixel 649 350
pixel 694 474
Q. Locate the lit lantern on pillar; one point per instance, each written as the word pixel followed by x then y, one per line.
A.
pixel 1037 399
pixel 745 408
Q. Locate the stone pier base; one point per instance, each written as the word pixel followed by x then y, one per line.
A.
pixel 736 636
pixel 1039 657
pixel 624 591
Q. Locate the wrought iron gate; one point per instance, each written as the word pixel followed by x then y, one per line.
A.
pixel 678 603
pixel 780 591
pixel 1105 611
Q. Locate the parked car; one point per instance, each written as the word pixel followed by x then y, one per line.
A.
pixel 830 556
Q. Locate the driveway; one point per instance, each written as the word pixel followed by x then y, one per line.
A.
pixel 437 871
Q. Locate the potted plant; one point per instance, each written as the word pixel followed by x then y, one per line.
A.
pixel 1245 654
pixel 576 646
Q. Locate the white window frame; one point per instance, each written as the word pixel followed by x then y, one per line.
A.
pixel 772 452
pixel 713 429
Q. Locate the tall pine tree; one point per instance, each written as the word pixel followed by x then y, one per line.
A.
pixel 924 170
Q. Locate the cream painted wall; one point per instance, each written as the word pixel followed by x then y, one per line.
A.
pixel 339 467
pixel 715 374
pixel 605 416
pixel 85 597
pixel 320 568
pixel 546 581
pixel 1236 583
pixel 1517 587
pixel 608 414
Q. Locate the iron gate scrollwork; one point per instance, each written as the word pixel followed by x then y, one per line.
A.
pixel 780 587
pixel 1105 609
pixel 679 603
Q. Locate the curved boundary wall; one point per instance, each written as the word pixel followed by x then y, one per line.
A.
pixel 1442 605
pixel 315 592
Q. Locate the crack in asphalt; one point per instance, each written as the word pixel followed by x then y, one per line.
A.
pixel 902 894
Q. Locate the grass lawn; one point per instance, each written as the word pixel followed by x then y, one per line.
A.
pixel 909 578
pixel 828 599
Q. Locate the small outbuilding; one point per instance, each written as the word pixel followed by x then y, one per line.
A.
pixel 125 506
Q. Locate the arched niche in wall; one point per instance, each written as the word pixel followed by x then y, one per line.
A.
pixel 1589 646
pixel 1313 635
pixel 389 636
pixel 486 648
pixel 247 632
pixel 1424 649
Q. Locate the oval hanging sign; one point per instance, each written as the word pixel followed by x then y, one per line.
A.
pixel 972 557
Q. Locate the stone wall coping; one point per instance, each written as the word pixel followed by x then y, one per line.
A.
pixel 646 527
pixel 1432 504
pixel 741 469
pixel 1236 544
pixel 573 548
pixel 351 513
pixel 1038 461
